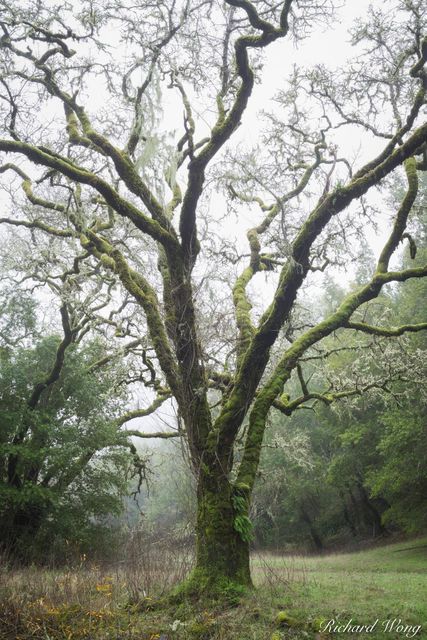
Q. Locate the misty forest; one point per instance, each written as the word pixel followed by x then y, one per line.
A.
pixel 213 275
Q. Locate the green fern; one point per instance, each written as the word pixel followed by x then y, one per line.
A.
pixel 242 523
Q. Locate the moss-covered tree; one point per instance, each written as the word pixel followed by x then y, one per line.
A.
pixel 98 169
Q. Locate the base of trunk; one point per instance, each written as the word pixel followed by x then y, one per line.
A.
pixel 204 584
pixel 222 570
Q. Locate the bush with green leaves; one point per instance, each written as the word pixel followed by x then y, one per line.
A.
pixel 64 463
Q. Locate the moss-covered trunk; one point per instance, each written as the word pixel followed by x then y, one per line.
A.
pixel 222 536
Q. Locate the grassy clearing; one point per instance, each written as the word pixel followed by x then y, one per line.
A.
pixel 95 603
pixel 383 583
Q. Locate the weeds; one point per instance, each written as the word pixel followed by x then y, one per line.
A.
pixel 116 602
pixel 154 566
pixel 89 600
pixel 278 573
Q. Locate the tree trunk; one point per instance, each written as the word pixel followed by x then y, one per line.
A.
pixel 18 531
pixel 347 517
pixel 373 516
pixel 313 531
pixel 223 533
pixel 356 509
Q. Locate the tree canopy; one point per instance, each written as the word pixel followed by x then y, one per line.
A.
pixel 187 222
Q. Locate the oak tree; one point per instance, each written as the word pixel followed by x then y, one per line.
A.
pixel 147 196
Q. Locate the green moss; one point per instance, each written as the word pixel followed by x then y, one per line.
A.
pixel 201 629
pixel 222 546
pixel 108 262
pixel 318 623
pixel 284 619
pixel 405 208
pixel 203 586
pixel 243 309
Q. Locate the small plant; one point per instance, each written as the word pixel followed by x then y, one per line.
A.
pixel 242 523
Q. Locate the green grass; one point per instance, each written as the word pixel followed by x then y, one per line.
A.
pixel 90 603
pixel 382 583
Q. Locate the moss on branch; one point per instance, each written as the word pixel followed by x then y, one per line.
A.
pixel 282 372
pixel 389 332
pixel 243 309
pixel 399 226
pixel 145 295
pixel 225 125
pixel 47 158
pixel 293 273
pixel 142 413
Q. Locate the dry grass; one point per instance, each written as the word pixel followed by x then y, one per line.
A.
pixel 89 600
pixel 115 602
pixel 278 573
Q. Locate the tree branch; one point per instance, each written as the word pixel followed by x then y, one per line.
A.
pixel 384 331
pixel 274 385
pixel 45 157
pixel 142 413
pixel 226 124
pixel 292 276
pixel 159 434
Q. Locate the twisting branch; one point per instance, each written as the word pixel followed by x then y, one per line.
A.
pixel 143 293
pixel 38 389
pixel 257 263
pixel 75 116
pixel 226 124
pixel 142 413
pixel 287 407
pixel 165 435
pixel 69 335
pixel 290 359
pixel 293 274
pixel 45 157
pixel 40 202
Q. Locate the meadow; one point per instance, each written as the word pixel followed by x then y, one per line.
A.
pixel 296 597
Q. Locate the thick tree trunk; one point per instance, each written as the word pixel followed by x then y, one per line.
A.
pixel 222 535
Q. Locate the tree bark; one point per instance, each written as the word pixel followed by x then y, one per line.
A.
pixel 222 535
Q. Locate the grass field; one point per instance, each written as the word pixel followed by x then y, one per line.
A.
pixel 385 583
pixel 296 597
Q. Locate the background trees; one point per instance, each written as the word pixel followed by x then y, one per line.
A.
pixel 66 463
pixel 357 462
pixel 129 195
